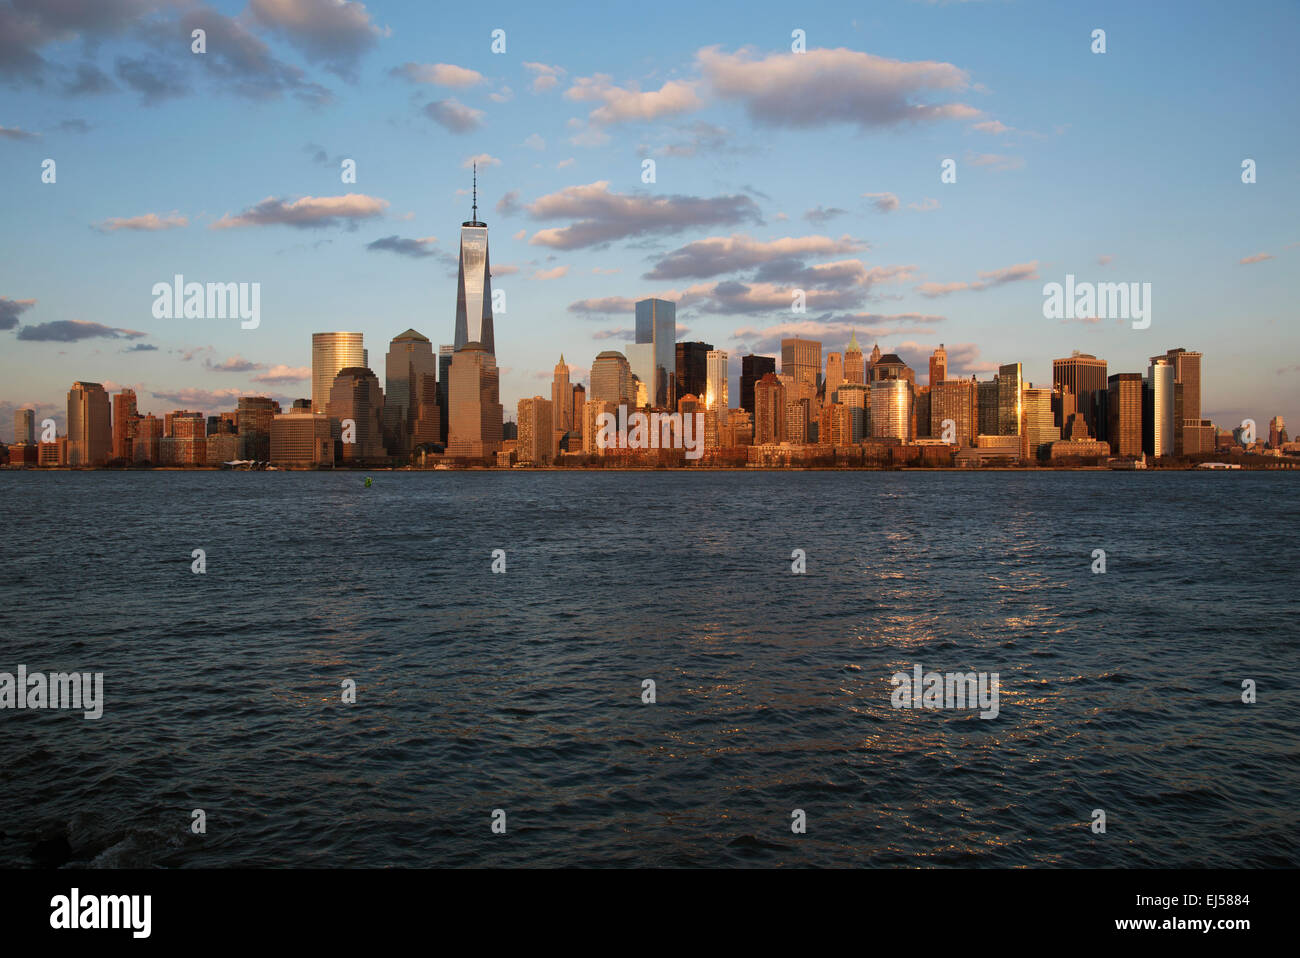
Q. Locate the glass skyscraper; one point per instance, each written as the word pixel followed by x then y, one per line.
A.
pixel 330 353
pixel 656 366
pixel 474 285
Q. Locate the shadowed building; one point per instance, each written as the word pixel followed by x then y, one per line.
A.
pixel 1124 409
pixel 802 360
pixel 476 412
pixel 254 416
pixel 90 426
pixel 752 369
pixel 301 439
pixel 770 410
pixel 1084 375
pixel 410 357
pixel 692 368
pixel 25 426
pixel 356 396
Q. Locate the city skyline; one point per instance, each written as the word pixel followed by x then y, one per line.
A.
pixel 730 224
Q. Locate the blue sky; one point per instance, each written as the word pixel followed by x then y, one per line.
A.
pixel 774 171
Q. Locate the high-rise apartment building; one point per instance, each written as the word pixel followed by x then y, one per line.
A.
pixel 330 353
pixel 124 413
pixel 536 442
pixel 769 410
pixel 891 407
pixel 953 400
pixel 254 416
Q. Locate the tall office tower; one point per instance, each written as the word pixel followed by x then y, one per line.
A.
pixel 986 407
pixel 254 416
pixel 330 352
pixel 653 357
pixel 474 396
pixel 715 394
pixel 1276 432
pixel 752 369
pixel 802 359
pixel 692 368
pixel 611 378
pixel 769 410
pixel 1039 430
pixel 562 397
pixel 921 399
pixel 445 353
pixel 834 375
pixel 146 446
pixel 410 356
pixel 954 399
pixel 1124 413
pixel 855 397
pixel 891 408
pixel 1011 385
pixel 474 284
pixel 1085 376
pixel 1158 409
pixel 938 365
pixel 426 430
pixel 356 395
pixel 536 431
pixel 90 425
pixel 1187 371
pixel 1187 379
pixel 124 412
pixel 854 366
pixel 873 359
pixel 579 402
pixel 24 425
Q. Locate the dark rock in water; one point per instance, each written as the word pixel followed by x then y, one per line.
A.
pixel 52 852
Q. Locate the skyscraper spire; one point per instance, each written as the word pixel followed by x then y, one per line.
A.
pixel 475 216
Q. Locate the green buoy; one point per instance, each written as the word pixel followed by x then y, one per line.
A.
pixel 367 482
